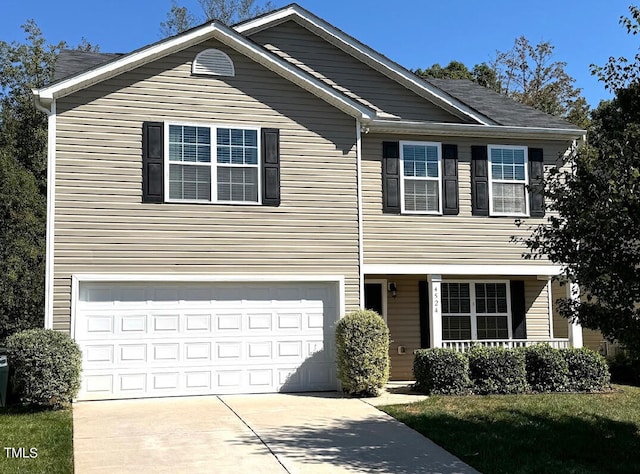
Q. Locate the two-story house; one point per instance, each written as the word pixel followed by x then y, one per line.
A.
pixel 219 199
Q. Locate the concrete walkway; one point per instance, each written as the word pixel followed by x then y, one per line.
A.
pixel 275 433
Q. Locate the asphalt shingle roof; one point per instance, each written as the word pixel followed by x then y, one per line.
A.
pixel 501 109
pixel 72 61
pixel 498 107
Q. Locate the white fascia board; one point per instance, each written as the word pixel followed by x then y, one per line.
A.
pixel 364 53
pixel 227 36
pixel 470 130
pixel 454 269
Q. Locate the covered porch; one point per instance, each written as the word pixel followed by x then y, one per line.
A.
pixel 459 310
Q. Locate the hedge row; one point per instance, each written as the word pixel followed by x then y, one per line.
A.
pixel 493 370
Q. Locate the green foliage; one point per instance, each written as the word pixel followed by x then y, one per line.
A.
pixel 229 12
pixel 179 19
pixel 594 230
pixel 588 370
pixel 45 367
pixel 362 342
pixel 625 368
pixel 495 370
pixel 23 129
pixel 22 248
pixel 441 372
pixel 620 73
pixel 547 370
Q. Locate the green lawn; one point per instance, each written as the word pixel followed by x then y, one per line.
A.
pixel 546 433
pixel 49 432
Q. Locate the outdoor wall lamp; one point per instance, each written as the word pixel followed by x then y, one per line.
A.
pixel 393 288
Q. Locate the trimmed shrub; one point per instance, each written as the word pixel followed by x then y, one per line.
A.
pixel 624 369
pixel 45 367
pixel 362 342
pixel 496 370
pixel 441 372
pixel 588 370
pixel 547 370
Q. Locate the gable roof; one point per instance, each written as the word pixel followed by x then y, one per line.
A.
pixel 493 114
pixel 210 30
pixel 362 52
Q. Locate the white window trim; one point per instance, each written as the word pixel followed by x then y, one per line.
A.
pixel 403 177
pixel 507 181
pixel 474 315
pixel 213 164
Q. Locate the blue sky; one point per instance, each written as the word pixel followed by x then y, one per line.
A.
pixel 414 33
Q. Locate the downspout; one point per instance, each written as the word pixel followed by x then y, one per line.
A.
pixel 51 184
pixel 360 226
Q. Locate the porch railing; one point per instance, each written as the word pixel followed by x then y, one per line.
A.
pixel 463 346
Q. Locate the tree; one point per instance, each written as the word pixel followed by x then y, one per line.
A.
pixel 594 230
pixel 527 74
pixel 229 12
pixel 619 72
pixel 23 128
pixel 179 19
pixel 22 248
pixel 23 166
pixel 596 198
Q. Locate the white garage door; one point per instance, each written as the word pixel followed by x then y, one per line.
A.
pixel 154 340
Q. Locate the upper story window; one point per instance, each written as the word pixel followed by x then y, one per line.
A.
pixel 212 164
pixel 420 182
pixel 508 179
pixel 213 62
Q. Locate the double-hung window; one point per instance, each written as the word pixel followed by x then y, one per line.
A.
pixel 508 180
pixel 421 171
pixel 475 311
pixel 212 164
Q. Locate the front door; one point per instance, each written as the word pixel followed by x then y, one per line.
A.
pixel 374 297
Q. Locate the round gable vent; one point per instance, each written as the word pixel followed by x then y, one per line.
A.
pixel 213 62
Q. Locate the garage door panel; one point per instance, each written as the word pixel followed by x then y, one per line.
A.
pixel 147 340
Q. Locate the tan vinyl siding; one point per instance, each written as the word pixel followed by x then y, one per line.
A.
pixel 537 305
pixel 590 338
pixel 430 239
pixel 403 317
pixel 101 225
pixel 311 52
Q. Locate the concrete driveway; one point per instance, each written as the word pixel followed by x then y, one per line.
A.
pixel 275 433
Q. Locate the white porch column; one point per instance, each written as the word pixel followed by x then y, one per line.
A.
pixel 435 310
pixel 575 330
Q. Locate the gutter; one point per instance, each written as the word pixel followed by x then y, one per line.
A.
pixel 471 130
pixel 50 109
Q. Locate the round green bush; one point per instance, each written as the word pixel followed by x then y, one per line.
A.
pixel 588 370
pixel 494 370
pixel 362 343
pixel 45 367
pixel 547 370
pixel 441 372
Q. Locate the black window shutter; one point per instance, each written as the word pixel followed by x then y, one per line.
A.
pixel 391 177
pixel 518 310
pixel 479 181
pixel 153 162
pixel 450 205
pixel 270 167
pixel 536 182
pixel 423 301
